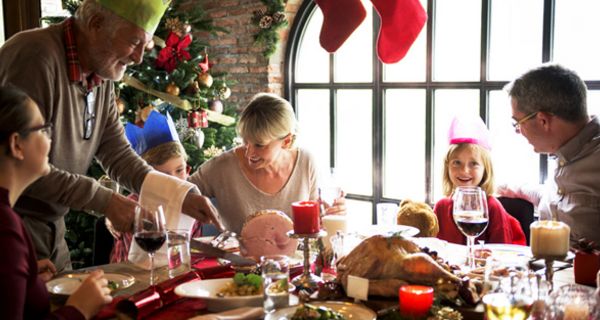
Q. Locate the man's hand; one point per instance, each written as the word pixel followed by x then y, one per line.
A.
pixel 46 269
pixel 202 209
pixel 121 212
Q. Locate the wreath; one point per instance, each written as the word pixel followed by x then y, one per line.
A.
pixel 269 20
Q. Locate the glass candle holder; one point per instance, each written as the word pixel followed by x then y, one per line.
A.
pixel 415 301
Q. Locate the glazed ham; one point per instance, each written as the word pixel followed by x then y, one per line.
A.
pixel 265 233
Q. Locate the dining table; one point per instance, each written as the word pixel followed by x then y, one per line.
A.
pixel 209 268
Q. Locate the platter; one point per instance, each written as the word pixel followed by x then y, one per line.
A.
pixel 348 310
pixel 68 283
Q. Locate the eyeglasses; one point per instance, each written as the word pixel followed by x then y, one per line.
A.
pixel 89 115
pixel 517 123
pixel 46 129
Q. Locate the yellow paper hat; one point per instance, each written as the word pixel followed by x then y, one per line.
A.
pixel 144 13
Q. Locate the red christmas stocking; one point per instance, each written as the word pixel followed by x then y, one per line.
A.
pixel 401 23
pixel 340 19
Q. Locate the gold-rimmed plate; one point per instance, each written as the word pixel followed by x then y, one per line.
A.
pixel 350 311
pixel 68 283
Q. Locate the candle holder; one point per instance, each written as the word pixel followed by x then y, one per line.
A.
pixel 549 272
pixel 307 280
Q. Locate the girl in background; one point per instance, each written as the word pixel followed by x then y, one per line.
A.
pixel 468 163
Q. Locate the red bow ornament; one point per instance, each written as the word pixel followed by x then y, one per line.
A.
pixel 174 52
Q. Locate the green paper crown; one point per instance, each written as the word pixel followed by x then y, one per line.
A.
pixel 144 13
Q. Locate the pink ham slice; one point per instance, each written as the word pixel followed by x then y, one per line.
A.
pixel 265 233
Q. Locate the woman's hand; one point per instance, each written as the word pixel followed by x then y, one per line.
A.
pixel 91 295
pixel 46 269
pixel 338 207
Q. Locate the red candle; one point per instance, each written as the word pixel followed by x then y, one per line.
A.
pixel 306 217
pixel 415 300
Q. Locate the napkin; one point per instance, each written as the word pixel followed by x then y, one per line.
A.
pixel 161 189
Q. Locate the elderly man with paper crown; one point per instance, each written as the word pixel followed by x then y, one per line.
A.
pixel 468 163
pixel 68 69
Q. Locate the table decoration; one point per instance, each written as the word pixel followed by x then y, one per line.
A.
pixel 306 217
pixel 415 300
pixel 307 280
pixel 549 241
pixel 587 262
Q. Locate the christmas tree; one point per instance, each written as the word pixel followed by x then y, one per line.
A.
pixel 175 76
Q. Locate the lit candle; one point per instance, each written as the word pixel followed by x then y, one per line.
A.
pixel 306 217
pixel 549 239
pixel 415 300
pixel 332 224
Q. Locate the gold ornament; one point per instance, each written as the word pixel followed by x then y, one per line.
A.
pixel 175 25
pixel 172 89
pixel 193 88
pixel 225 93
pixel 205 79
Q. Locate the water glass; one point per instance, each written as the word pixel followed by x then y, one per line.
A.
pixel 178 251
pixel 275 275
pixel 387 214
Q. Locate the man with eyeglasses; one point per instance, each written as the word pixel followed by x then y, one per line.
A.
pixel 549 108
pixel 69 69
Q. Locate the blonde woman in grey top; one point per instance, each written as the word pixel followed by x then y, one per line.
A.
pixel 267 171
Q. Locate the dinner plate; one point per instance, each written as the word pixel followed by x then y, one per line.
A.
pixel 68 283
pixel 347 309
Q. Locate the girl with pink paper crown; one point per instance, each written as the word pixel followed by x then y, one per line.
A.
pixel 468 163
pixel 157 143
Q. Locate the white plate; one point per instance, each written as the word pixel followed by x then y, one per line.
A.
pixel 67 284
pixel 208 289
pixel 347 309
pixel 371 230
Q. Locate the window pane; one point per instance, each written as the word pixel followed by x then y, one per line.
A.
pixel 404 176
pixel 513 158
pixel 353 60
pixel 412 67
pixel 515 37
pixel 593 102
pixel 52 8
pixel 457 38
pixel 575 45
pixel 447 105
pixel 359 214
pixel 313 117
pixel 355 141
pixel 313 61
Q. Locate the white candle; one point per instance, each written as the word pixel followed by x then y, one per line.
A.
pixel 332 224
pixel 549 239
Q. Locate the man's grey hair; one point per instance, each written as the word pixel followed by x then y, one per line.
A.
pixel 551 88
pixel 90 8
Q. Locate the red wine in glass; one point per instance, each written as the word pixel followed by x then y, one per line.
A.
pixel 150 241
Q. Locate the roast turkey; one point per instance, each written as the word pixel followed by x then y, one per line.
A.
pixel 389 262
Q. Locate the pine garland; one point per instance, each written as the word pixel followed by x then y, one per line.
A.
pixel 269 21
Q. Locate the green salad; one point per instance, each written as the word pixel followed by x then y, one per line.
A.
pixel 310 312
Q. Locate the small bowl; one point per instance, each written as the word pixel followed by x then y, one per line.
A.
pixel 208 289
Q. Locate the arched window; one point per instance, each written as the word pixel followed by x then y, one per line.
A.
pixel 384 127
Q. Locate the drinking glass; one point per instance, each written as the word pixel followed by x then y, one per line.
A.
pixel 149 232
pixel 329 190
pixel 178 251
pixel 275 274
pixel 470 214
pixel 387 214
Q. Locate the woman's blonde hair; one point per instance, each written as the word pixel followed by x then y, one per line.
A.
pixel 267 117
pixel 164 152
pixel 487 181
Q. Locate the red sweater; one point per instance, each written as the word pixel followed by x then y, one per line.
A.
pixel 502 227
pixel 24 295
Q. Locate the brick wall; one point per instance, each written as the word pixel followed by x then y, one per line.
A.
pixel 236 53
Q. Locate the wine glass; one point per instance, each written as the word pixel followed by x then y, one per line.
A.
pixel 149 232
pixel 470 214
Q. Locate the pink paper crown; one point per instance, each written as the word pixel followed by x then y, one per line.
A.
pixel 469 129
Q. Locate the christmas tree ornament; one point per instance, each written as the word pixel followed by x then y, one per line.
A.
pixel 225 92
pixel 172 89
pixel 157 129
pixel 266 22
pixel 212 151
pixel 175 25
pixel 174 52
pixel 216 106
pixel 193 88
pixel 198 119
pixel 401 23
pixel 278 17
pixel 187 28
pixel 194 136
pixel 339 21
pixel 204 65
pixel 120 105
pixel 145 14
pixel 205 79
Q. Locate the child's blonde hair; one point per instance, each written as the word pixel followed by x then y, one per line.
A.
pixel 487 181
pixel 164 152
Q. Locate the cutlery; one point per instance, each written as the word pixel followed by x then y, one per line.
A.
pixel 220 253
